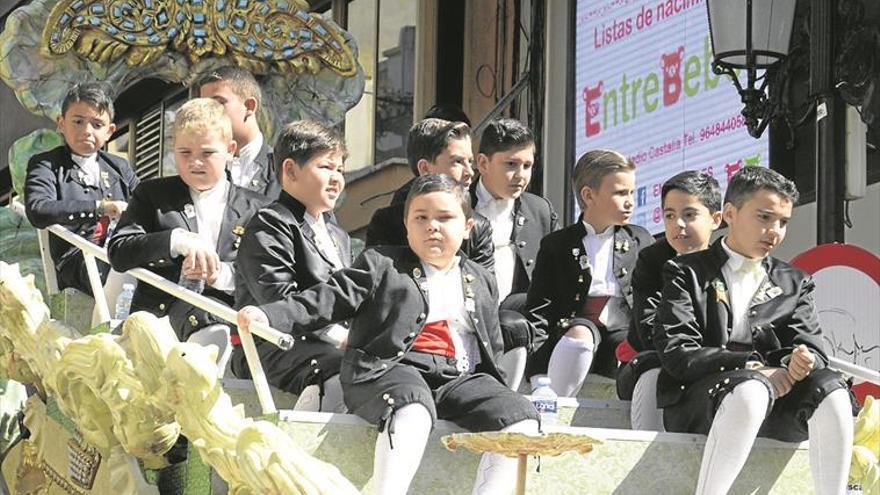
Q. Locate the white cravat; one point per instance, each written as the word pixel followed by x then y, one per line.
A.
pixel 446 303
pixel 243 167
pixel 500 215
pixel 600 254
pixel 210 206
pixel 744 276
pixel 323 240
pixel 90 168
pixel 334 333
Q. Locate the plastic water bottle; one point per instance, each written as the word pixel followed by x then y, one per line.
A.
pixel 544 400
pixel 195 285
pixel 123 302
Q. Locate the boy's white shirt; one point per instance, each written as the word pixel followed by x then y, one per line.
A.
pixel 744 276
pixel 600 255
pixel 243 167
pixel 500 215
pixel 209 208
pixel 334 333
pixel 446 303
pixel 89 165
pixel 323 240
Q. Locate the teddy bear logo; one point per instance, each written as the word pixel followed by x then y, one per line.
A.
pixel 671 65
pixel 591 110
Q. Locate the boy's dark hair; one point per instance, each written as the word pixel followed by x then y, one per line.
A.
pixel 429 137
pixel 695 183
pixel 94 94
pixel 301 140
pixel 429 183
pixel 593 166
pixel 750 180
pixel 241 81
pixel 447 111
pixel 504 134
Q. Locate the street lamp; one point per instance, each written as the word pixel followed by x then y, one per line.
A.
pixel 751 35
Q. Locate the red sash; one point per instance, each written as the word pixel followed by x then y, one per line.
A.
pixel 593 308
pixel 435 339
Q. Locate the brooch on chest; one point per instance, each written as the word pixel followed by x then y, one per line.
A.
pixel 237 231
pixel 720 291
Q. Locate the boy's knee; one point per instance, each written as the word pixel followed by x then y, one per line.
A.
pixel 581 333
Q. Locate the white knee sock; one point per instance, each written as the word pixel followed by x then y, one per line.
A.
pixel 393 469
pixel 831 438
pixel 216 335
pixel 513 362
pixel 497 473
pixel 569 365
pixel 733 432
pixel 310 398
pixel 332 401
pixel 644 413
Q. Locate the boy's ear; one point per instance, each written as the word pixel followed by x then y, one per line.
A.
pixel 483 163
pixel 586 195
pixel 59 120
pixel 288 167
pixel 716 220
pixel 231 147
pixel 468 225
pixel 111 128
pixel 423 166
pixel 250 104
pixel 728 213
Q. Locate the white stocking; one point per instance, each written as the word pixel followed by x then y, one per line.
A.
pixel 831 438
pixel 310 397
pixel 394 468
pixel 644 413
pixel 733 432
pixel 513 362
pixel 216 335
pixel 569 365
pixel 497 473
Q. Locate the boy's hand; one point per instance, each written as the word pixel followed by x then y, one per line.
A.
pixel 248 315
pixel 202 263
pixel 801 363
pixel 114 209
pixel 781 380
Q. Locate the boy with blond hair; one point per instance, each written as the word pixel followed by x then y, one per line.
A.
pixel 581 283
pixel 189 225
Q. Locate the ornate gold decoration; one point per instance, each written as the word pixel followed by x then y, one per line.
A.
pixel 516 444
pixel 257 34
pixel 83 462
pixel 137 391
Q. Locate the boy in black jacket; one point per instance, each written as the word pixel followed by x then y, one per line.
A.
pixel 78 185
pixel 691 203
pixel 581 285
pixel 289 246
pixel 423 342
pixel 741 345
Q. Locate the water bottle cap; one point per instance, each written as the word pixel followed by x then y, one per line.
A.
pixel 543 381
pixel 127 286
